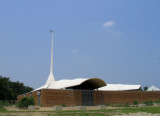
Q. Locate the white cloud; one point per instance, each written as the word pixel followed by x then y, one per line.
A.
pixel 74 51
pixel 108 24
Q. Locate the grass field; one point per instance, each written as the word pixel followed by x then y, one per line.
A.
pixel 149 111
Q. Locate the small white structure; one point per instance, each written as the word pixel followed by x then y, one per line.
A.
pixel 153 88
pixel 120 87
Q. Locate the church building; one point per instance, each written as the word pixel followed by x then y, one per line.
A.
pixel 86 92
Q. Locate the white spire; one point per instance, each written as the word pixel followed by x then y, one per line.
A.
pixel 51 76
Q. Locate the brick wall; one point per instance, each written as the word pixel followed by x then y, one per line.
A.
pixel 117 97
pixel 98 98
pixel 77 98
pixel 51 97
pixel 34 94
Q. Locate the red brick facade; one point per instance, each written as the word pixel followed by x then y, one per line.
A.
pixel 116 97
pixel 51 97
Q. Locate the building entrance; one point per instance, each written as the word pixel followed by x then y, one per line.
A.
pixel 87 98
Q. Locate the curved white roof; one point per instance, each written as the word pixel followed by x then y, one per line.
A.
pixel 66 83
pixel 61 84
pixel 119 87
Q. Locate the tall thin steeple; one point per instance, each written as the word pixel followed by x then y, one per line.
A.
pixel 51 76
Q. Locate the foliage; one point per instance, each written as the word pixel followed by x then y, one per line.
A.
pixel 63 105
pixel 122 105
pixel 127 105
pixel 158 101
pixel 108 104
pixel 1 103
pixel 145 88
pixel 4 103
pixel 1 107
pixel 118 105
pixel 149 103
pixel 135 102
pixel 10 90
pixel 25 102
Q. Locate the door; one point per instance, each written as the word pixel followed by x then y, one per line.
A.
pixel 87 98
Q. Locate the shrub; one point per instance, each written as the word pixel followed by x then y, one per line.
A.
pixel 6 103
pixel 126 104
pixel 135 102
pixel 63 105
pixel 1 103
pixel 149 103
pixel 158 101
pixel 118 105
pixel 25 102
pixel 108 104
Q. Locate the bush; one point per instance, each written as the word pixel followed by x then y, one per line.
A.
pixel 135 102
pixel 126 104
pixel 108 104
pixel 1 103
pixel 25 102
pixel 149 103
pixel 63 105
pixel 158 101
pixel 122 105
pixel 118 105
pixel 6 103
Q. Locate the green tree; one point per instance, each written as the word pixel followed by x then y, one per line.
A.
pixel 5 90
pixel 145 88
pixel 10 90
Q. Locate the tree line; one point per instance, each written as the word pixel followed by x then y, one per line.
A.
pixel 10 90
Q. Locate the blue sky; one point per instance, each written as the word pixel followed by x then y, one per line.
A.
pixel 115 40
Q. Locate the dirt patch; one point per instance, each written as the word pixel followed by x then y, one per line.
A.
pixel 25 114
pixel 138 114
pixel 14 108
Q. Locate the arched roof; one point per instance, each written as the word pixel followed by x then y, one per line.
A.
pixel 89 84
pixel 80 83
